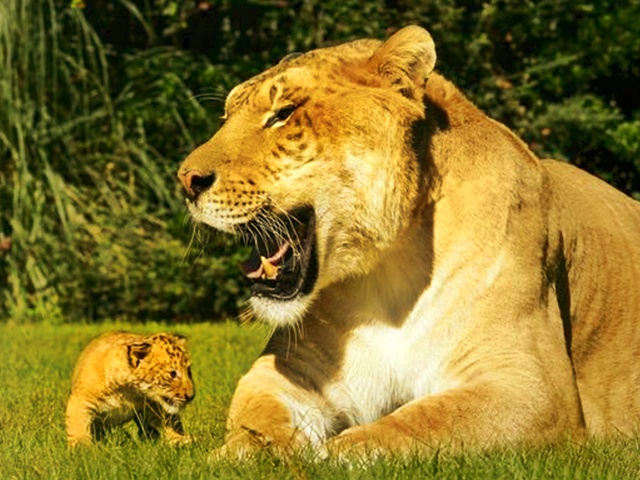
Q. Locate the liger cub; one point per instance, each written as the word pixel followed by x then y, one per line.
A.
pixel 121 377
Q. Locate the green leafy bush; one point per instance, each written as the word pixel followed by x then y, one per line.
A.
pixel 87 181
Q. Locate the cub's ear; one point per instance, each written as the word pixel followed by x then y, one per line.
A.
pixel 405 60
pixel 137 352
pixel 181 340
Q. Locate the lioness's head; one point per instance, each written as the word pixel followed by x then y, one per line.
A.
pixel 315 166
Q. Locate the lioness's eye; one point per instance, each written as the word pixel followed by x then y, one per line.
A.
pixel 281 115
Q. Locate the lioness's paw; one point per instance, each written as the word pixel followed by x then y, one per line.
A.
pixel 241 445
pixel 233 453
pixel 354 448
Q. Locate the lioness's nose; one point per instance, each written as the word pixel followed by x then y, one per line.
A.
pixel 195 182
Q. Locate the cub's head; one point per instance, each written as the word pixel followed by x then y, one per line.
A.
pixel 315 166
pixel 161 368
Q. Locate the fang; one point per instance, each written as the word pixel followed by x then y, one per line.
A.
pixel 269 271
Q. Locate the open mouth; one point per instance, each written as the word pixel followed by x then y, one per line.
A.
pixel 168 404
pixel 283 263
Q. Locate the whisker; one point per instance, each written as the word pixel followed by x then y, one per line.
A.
pixel 218 95
pixel 287 232
pixel 246 314
pixel 190 245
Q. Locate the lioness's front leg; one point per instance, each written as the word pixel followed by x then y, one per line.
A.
pixel 260 417
pixel 480 416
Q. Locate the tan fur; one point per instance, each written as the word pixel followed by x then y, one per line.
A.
pixel 468 294
pixel 123 376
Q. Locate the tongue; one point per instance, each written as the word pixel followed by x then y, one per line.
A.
pixel 259 267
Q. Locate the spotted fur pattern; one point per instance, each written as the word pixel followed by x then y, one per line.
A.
pixel 121 377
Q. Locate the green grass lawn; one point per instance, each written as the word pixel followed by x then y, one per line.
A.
pixel 35 381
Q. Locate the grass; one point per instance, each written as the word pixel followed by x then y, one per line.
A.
pixel 37 364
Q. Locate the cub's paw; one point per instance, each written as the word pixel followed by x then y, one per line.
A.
pixel 180 440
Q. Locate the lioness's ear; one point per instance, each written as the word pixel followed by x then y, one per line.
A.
pixel 406 59
pixel 137 352
pixel 289 57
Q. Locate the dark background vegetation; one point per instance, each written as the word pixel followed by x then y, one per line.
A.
pixel 100 100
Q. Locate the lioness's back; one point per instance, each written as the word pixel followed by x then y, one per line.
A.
pixel 599 226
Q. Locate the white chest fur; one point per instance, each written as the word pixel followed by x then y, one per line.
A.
pixel 384 368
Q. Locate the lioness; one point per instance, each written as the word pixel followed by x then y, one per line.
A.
pixel 431 283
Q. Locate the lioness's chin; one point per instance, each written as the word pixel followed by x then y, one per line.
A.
pixel 280 313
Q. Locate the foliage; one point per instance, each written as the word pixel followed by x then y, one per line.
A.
pixel 87 184
pixel 38 360
pixel 100 100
